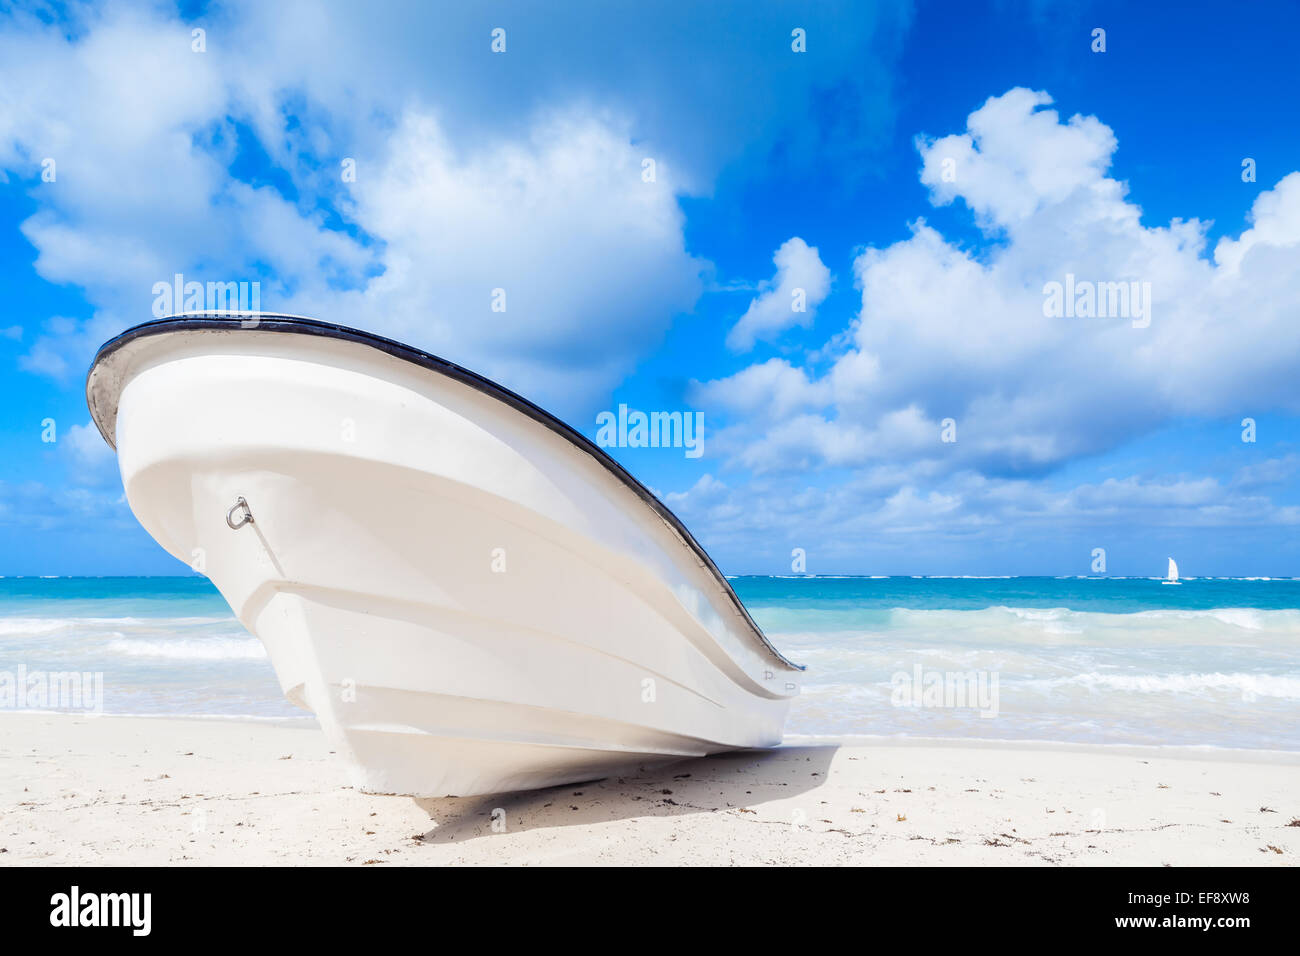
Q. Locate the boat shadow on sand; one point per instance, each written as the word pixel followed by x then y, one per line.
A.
pixel 702 785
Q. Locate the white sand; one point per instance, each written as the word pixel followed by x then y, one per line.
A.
pixel 116 790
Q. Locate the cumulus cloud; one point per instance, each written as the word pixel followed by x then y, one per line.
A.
pixel 38 508
pixel 703 94
pixel 790 298
pixel 590 256
pixel 774 388
pixel 589 259
pixel 944 333
pixel 135 131
pixel 90 461
pixel 137 128
pixel 1014 158
pixel 909 520
pixel 225 166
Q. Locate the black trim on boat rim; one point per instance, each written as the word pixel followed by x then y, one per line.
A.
pixel 276 322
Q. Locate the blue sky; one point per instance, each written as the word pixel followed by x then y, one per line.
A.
pixel 920 171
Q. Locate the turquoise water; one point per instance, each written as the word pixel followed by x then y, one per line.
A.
pixel 165 645
pixel 1100 660
pixel 1096 660
pixel 1106 594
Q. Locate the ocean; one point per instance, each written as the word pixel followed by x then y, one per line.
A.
pixel 1210 662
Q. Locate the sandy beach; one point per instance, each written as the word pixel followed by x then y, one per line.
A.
pixel 115 790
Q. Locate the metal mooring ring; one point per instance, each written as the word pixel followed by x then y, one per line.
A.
pixel 247 517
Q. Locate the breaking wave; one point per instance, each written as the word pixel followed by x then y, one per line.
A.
pixel 1260 685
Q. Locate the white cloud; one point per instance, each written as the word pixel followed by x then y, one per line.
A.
pixel 699 103
pixel 91 458
pixel 518 193
pixel 143 130
pixel 944 333
pixel 44 357
pixel 137 126
pixel 1015 159
pixel 791 298
pixel 890 520
pixel 1275 228
pixel 590 257
pixel 775 388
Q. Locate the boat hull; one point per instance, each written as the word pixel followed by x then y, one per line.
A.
pixel 468 601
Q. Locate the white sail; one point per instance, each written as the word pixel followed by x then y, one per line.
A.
pixel 1173 570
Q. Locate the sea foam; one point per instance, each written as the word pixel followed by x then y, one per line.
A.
pixel 190 649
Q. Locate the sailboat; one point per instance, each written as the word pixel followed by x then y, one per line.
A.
pixel 1172 576
pixel 470 595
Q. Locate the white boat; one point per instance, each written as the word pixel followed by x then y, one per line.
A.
pixel 1172 576
pixel 469 595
